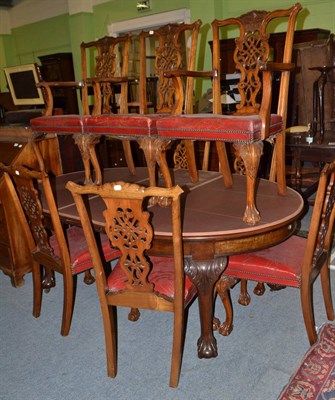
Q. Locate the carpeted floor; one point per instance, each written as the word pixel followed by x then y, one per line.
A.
pixel 254 362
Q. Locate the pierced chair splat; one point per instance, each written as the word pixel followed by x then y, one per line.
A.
pixel 137 280
pixel 63 251
pixel 252 123
pixel 296 262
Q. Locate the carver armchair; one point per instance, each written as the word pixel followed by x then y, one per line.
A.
pixel 252 122
pixel 56 249
pixel 137 280
pixel 297 262
pixel 107 77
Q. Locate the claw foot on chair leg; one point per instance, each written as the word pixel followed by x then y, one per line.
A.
pixel 134 314
pixel 244 299
pixel 89 278
pixel 251 215
pixel 259 289
pixel 216 323
pixel 225 329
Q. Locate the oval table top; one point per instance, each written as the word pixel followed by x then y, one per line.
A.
pixel 211 212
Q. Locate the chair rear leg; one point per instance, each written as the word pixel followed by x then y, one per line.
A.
pixel 177 346
pixel 37 289
pixel 70 284
pixel 110 322
pixel 308 311
pixel 129 157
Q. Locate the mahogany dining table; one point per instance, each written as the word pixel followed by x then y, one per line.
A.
pixel 212 227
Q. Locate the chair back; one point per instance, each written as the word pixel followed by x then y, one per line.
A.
pixel 175 49
pixel 321 235
pixel 252 53
pixel 128 226
pixel 105 65
pixel 29 185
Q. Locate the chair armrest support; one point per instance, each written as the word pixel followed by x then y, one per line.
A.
pixel 48 97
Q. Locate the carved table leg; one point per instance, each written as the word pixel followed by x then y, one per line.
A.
pixel 204 274
pixel 250 154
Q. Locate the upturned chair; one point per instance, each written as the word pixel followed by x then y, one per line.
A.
pixel 108 76
pixel 137 280
pixel 62 251
pixel 252 123
pixel 297 262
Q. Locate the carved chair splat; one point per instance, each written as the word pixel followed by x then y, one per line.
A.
pixel 137 280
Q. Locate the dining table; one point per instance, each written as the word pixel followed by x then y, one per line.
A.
pixel 212 227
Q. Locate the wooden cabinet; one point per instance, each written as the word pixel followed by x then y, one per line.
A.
pixel 56 68
pixel 16 148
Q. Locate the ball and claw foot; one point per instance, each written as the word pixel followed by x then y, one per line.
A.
pixel 134 314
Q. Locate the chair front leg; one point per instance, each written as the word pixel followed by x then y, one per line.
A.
pixel 223 286
pixel 251 154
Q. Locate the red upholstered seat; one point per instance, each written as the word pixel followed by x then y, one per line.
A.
pixel 129 125
pixel 161 276
pixel 216 127
pixel 59 124
pixel 280 264
pixel 80 256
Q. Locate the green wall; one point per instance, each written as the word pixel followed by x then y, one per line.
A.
pixel 65 33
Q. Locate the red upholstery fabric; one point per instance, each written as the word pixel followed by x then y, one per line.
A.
pixel 79 253
pixel 59 124
pixel 280 264
pixel 216 127
pixel 129 125
pixel 162 276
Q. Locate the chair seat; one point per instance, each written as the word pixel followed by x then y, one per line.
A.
pixel 227 128
pixel 280 264
pixel 129 125
pixel 162 276
pixel 71 123
pixel 80 256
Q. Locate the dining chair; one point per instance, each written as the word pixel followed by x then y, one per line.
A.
pixel 175 64
pixel 103 89
pixel 253 121
pixel 57 249
pixel 138 280
pixel 296 262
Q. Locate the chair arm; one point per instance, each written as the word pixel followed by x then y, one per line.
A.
pixel 48 97
pixel 193 74
pixel 265 109
pixel 277 67
pixel 114 79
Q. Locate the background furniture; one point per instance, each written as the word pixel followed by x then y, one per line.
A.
pixel 296 262
pixel 16 148
pixel 305 178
